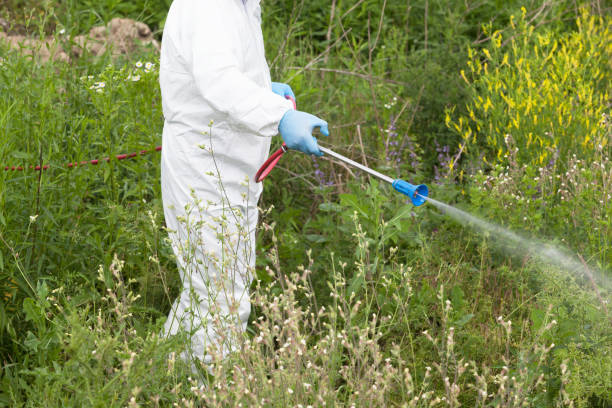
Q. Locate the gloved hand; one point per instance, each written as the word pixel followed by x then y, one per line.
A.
pixel 283 90
pixel 296 130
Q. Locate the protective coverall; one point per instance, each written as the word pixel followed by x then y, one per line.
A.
pixel 220 114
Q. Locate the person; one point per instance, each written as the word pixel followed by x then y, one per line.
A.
pixel 221 111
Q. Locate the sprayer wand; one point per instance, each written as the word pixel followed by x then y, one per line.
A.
pixel 417 194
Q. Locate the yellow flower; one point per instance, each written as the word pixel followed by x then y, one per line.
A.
pixel 487 105
pixel 505 60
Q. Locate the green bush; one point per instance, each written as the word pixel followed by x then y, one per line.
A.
pixel 57 114
pixel 546 92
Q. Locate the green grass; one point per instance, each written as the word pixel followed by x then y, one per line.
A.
pixel 401 298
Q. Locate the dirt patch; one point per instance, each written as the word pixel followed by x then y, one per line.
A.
pixel 45 49
pixel 122 36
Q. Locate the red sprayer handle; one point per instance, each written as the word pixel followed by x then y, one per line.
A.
pixel 269 164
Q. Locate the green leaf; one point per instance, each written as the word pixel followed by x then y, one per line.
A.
pixel 318 239
pixel 86 297
pixel 388 235
pixel 403 212
pixel 457 298
pixel 22 155
pixel 330 207
pixel 32 342
pixel 350 200
pixel 463 320
pixel 356 284
pixel 31 310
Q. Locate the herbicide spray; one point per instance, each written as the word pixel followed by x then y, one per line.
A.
pixel 509 241
pixel 513 243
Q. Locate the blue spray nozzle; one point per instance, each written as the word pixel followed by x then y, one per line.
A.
pixel 417 194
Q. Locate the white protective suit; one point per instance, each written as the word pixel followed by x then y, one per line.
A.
pixel 213 70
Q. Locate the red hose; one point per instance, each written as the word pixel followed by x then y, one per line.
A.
pixel 94 161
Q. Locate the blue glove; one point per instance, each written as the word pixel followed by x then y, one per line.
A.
pixel 296 130
pixel 283 90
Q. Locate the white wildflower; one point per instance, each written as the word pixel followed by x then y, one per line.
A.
pixel 98 86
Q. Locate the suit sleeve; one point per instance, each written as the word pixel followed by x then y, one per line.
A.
pixel 214 47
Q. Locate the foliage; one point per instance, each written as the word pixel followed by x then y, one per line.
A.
pixel 539 121
pixel 360 298
pixel 536 199
pixel 549 94
pixel 59 114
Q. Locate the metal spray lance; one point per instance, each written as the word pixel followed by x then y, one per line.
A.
pixel 416 193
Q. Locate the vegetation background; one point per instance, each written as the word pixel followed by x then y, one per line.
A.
pixel 501 107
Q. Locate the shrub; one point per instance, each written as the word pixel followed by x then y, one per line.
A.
pixel 548 92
